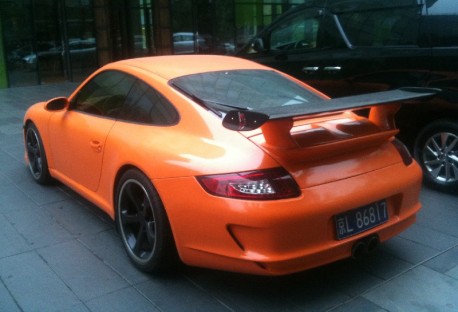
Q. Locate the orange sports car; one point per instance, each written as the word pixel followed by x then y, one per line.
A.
pixel 227 164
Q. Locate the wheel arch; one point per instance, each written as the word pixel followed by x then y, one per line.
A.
pixel 123 169
pixel 118 176
pixel 39 117
pixel 419 121
pixel 171 250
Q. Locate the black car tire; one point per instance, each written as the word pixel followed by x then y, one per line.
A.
pixel 38 163
pixel 436 150
pixel 143 225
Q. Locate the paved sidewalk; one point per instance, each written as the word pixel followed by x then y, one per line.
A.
pixel 60 253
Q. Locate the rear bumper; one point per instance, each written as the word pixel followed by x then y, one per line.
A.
pixel 286 236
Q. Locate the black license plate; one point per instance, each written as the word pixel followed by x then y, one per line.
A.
pixel 362 219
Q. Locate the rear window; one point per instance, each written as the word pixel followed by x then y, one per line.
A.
pixel 244 89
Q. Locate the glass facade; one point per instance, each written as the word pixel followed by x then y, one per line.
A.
pixel 202 26
pixel 220 27
pixel 131 27
pixel 47 41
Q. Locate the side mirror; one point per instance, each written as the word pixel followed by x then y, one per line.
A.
pixel 56 104
pixel 258 45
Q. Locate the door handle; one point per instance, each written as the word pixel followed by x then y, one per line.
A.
pixel 332 68
pixel 96 146
pixel 310 69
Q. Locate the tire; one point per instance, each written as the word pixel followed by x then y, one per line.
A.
pixel 436 150
pixel 143 224
pixel 36 155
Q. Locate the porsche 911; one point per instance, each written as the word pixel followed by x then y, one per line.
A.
pixel 223 163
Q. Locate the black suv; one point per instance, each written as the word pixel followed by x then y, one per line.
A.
pixel 348 47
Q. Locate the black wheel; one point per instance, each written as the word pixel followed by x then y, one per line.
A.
pixel 143 224
pixel 436 149
pixel 36 155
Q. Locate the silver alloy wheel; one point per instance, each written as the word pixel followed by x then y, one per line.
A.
pixel 137 220
pixel 34 153
pixel 440 157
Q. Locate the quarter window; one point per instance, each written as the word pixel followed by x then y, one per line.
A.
pixel 145 105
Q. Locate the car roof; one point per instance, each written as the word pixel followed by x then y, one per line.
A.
pixel 172 66
pixel 337 6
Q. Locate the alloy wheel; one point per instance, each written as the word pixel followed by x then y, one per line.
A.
pixel 34 153
pixel 137 220
pixel 440 157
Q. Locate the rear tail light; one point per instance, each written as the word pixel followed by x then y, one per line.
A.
pixel 403 151
pixel 256 185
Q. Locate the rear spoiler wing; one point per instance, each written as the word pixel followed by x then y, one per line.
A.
pixel 246 120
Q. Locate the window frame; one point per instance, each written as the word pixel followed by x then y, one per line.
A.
pixel 122 106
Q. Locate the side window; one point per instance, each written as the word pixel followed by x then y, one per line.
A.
pixel 298 32
pixel 382 27
pixel 443 30
pixel 104 94
pixel 146 105
pixel 308 29
pixel 441 24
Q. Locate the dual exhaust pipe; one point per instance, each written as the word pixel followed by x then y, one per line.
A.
pixel 364 246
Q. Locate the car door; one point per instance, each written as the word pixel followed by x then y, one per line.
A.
pixel 291 44
pixel 78 134
pixel 343 49
pixel 442 28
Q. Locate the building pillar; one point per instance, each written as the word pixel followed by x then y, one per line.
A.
pixel 3 68
pixel 162 22
pixel 103 32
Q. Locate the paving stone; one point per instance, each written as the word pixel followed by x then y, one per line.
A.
pixel 429 237
pixel 6 185
pixel 358 305
pixel 12 199
pixel 107 246
pixel 85 274
pixel 7 302
pixel 41 194
pixel 127 299
pixel 76 218
pixel 34 286
pixel 350 277
pixel 5 160
pixel 11 241
pixel 313 290
pixel 10 128
pixel 17 172
pixel 16 151
pixel 445 262
pixel 383 264
pixel 420 289
pixel 453 273
pixel 176 293
pixel 407 250
pixel 36 227
pixel 439 215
